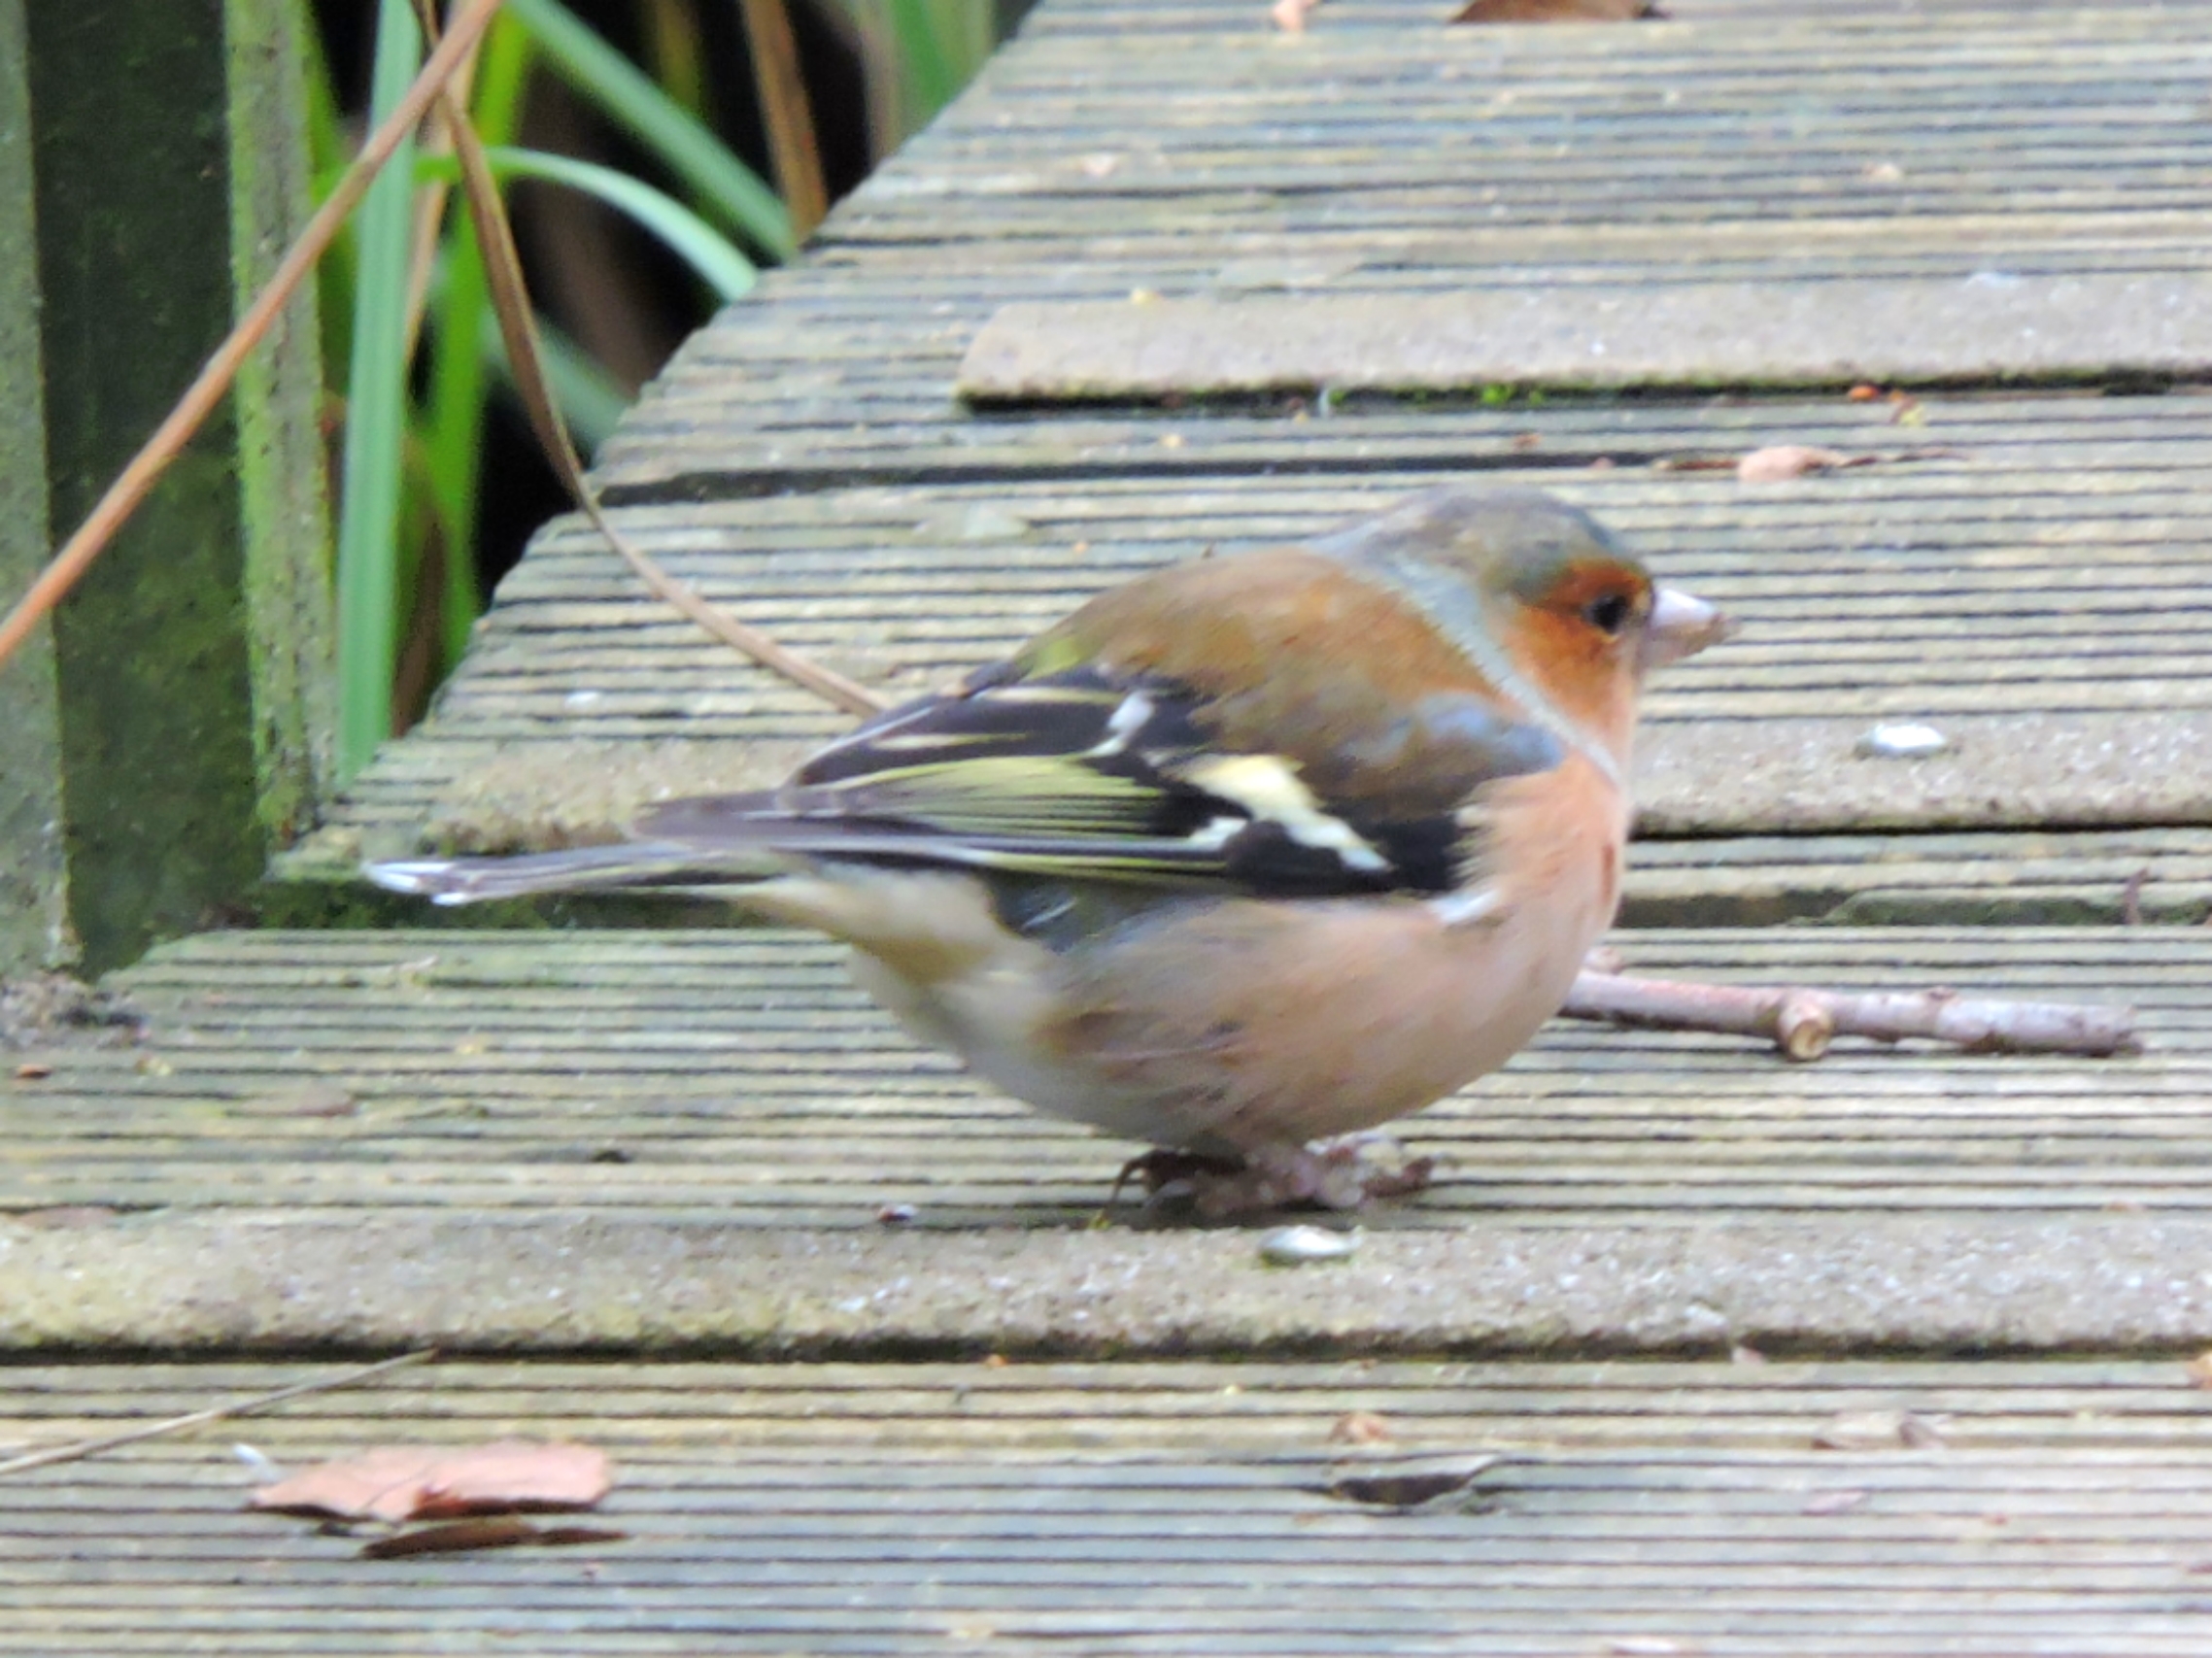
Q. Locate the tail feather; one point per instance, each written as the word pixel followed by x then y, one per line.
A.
pixel 632 864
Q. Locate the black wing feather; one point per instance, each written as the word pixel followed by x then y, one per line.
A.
pixel 1087 776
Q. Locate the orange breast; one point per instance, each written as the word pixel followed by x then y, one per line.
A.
pixel 1251 1022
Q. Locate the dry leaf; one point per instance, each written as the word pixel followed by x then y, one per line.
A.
pixel 1920 1432
pixel 1863 393
pixel 2200 1370
pixel 62 1215
pixel 1833 1501
pixel 1557 11
pixel 308 1099
pixel 1359 1428
pixel 414 1482
pixel 1290 15
pixel 1878 1431
pixel 490 1531
pixel 1786 461
pixel 1859 1430
pixel 1412 1484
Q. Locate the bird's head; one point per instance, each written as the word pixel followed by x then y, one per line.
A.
pixel 1539 592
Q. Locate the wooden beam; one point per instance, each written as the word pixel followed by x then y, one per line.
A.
pixel 166 143
pixel 33 928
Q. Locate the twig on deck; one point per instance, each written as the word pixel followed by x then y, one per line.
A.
pixel 77 1448
pixel 1803 1022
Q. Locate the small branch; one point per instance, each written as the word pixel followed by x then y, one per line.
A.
pixel 1802 1022
pixel 78 1448
pixel 145 469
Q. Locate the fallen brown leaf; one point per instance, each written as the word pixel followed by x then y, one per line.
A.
pixel 415 1482
pixel 2200 1370
pixel 1409 1483
pixel 1833 1503
pixel 1359 1428
pixel 1920 1434
pixel 490 1531
pixel 1290 15
pixel 308 1099
pixel 1878 1431
pixel 1558 12
pixel 1782 461
pixel 63 1215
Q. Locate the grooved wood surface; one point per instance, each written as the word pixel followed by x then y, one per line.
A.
pixel 737 1077
pixel 1642 1509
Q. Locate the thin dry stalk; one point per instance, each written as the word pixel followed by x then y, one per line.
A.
pixel 77 1449
pixel 786 113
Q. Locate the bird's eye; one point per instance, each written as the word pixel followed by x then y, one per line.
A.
pixel 1610 614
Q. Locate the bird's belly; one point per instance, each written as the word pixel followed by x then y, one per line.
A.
pixel 992 1020
pixel 1227 1025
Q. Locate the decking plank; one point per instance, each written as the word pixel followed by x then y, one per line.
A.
pixel 1169 1508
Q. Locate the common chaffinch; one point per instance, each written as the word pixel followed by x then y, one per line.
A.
pixel 1245 856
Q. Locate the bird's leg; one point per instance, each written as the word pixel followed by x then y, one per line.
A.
pixel 1170 1175
pixel 1341 1173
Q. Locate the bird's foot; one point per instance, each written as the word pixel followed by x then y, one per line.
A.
pixel 1341 1173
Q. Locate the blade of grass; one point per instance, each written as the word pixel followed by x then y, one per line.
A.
pixel 146 467
pixel 928 70
pixel 673 53
pixel 712 256
pixel 376 418
pixel 728 189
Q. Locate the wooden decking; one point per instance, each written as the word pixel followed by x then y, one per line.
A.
pixel 878 1381
pixel 1644 1507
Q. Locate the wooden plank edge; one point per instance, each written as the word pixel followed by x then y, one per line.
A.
pixel 249 1283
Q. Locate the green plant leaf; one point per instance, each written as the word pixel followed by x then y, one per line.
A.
pixel 689 237
pixel 376 415
pixel 728 189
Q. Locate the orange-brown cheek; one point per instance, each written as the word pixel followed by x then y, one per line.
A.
pixel 1586 674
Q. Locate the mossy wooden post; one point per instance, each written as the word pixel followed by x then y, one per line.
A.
pixel 192 724
pixel 32 926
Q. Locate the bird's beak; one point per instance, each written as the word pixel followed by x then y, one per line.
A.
pixel 1680 625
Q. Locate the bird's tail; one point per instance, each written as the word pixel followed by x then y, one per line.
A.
pixel 631 863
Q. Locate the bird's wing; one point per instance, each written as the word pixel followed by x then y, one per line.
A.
pixel 1089 774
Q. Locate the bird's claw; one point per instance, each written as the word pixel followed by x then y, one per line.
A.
pixel 1341 1173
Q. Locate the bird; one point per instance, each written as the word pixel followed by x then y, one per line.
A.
pixel 1243 858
